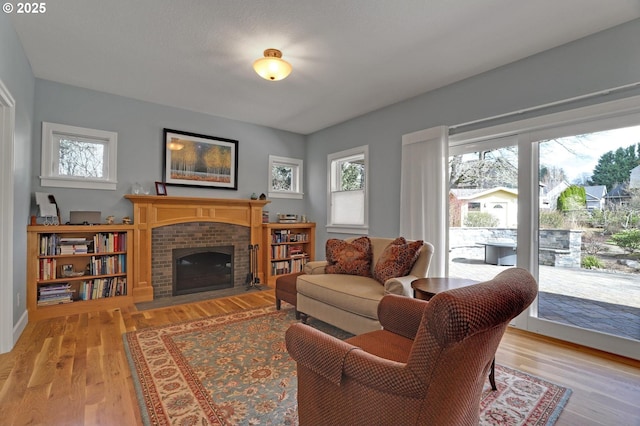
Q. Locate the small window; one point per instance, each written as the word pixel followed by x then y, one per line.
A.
pixel 285 177
pixel 474 207
pixel 348 191
pixel 75 157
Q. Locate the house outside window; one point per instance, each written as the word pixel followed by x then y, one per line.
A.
pixel 285 177
pixel 348 191
pixel 76 157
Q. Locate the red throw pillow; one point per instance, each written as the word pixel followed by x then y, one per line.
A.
pixel 352 258
pixel 397 259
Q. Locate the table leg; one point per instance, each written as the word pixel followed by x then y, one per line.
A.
pixel 492 375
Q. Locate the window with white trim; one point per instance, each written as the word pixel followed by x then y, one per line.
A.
pixel 77 157
pixel 285 177
pixel 348 191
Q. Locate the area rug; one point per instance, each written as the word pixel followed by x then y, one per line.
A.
pixel 234 369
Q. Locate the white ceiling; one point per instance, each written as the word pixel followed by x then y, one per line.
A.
pixel 349 57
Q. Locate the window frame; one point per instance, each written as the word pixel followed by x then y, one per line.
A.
pixel 341 156
pixel 296 177
pixel 50 157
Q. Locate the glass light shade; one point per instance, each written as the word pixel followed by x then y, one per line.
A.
pixel 271 67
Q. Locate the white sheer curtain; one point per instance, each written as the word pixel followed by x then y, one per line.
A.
pixel 423 192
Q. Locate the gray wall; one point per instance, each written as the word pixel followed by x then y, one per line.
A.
pixel 140 147
pixel 15 73
pixel 601 61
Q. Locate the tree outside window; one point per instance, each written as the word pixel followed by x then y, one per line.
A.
pixel 77 157
pixel 348 192
pixel 285 177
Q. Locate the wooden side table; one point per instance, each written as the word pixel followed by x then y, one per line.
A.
pixel 426 288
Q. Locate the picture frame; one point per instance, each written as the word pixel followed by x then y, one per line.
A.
pixel 161 188
pixel 192 159
pixel 66 270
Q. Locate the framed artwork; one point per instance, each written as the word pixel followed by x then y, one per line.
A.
pixel 161 188
pixel 199 160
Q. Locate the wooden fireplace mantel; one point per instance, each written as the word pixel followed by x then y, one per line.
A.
pixel 152 211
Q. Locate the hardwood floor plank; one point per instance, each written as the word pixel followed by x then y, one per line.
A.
pixel 606 388
pixel 34 408
pixel 73 370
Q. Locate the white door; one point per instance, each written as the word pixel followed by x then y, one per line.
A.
pixel 7 119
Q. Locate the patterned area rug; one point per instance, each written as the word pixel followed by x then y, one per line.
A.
pixel 234 369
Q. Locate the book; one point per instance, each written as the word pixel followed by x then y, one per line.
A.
pixel 53 294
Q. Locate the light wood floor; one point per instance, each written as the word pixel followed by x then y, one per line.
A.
pixel 73 370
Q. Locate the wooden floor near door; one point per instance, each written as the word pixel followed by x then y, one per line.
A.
pixel 73 370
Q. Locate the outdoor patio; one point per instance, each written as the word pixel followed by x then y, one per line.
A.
pixel 608 302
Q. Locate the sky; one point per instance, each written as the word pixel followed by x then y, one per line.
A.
pixel 588 150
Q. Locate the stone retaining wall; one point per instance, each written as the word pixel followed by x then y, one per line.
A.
pixel 558 247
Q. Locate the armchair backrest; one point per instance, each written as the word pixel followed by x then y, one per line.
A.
pixel 457 340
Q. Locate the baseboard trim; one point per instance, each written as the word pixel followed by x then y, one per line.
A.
pixel 20 326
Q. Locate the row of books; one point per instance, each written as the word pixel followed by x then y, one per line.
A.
pixel 105 265
pixel 47 269
pixel 286 236
pixel 54 294
pixel 54 244
pixel 290 266
pixel 103 287
pixel 98 265
pixel 74 246
pixel 109 242
pixel 283 251
pixel 103 242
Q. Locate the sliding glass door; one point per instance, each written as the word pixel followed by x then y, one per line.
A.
pixel 574 185
pixel 483 209
pixel 589 231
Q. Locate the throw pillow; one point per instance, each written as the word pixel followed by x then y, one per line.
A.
pixel 352 258
pixel 397 259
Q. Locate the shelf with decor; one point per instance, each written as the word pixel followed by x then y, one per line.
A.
pixel 287 247
pixel 77 269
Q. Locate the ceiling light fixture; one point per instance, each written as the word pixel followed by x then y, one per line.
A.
pixel 272 67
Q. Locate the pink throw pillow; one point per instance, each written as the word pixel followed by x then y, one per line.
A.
pixel 352 258
pixel 397 259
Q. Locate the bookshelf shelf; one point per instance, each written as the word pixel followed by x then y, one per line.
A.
pixel 77 269
pixel 287 247
pixel 57 256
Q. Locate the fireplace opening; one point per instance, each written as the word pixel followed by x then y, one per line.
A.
pixel 202 269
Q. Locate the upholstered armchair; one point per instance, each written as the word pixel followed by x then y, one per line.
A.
pixel 427 366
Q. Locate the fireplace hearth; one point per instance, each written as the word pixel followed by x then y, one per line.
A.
pixel 198 269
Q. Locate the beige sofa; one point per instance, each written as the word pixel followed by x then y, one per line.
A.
pixel 350 302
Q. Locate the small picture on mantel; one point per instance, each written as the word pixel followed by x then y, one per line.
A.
pixel 161 188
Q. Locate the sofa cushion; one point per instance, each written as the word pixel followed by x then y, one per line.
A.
pixel 356 294
pixel 352 258
pixel 397 259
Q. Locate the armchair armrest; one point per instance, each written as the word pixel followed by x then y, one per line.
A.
pixel 401 315
pixel 400 285
pixel 315 267
pixel 336 360
pixel 319 352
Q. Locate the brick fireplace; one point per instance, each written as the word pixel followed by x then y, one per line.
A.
pixel 200 236
pixel 163 223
